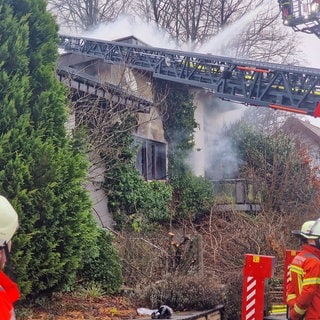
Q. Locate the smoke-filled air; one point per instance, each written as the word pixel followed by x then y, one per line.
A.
pixel 213 155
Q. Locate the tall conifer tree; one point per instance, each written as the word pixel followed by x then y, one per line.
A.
pixel 40 172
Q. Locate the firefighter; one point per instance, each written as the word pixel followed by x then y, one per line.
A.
pixel 9 291
pixel 285 7
pixel 303 292
pixel 315 7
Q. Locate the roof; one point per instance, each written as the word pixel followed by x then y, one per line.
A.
pixel 300 128
pixel 132 40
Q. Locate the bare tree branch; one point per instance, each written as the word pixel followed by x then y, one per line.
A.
pixel 81 15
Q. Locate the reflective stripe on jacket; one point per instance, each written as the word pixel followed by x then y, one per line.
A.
pixel 303 292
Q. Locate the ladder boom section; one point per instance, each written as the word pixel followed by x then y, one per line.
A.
pixel 289 88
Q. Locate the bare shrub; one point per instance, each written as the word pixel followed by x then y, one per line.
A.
pixel 225 239
pixel 143 257
pixel 233 297
pixel 187 292
pixel 228 236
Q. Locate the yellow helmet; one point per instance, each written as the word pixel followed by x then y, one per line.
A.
pixel 8 221
pixel 309 230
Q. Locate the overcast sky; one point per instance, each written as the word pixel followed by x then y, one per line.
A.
pixel 310 45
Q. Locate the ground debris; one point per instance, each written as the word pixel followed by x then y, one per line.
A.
pixel 68 306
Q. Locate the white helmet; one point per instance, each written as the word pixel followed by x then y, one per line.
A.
pixel 309 230
pixel 8 221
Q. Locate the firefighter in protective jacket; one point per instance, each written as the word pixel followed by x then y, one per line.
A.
pixel 9 291
pixel 303 292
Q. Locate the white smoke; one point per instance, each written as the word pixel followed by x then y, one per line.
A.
pixel 126 26
pixel 215 156
pixel 221 43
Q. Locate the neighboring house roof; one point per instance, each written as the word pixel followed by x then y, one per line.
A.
pixel 303 131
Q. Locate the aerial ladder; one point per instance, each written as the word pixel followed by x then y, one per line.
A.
pixel 261 84
pixel 301 15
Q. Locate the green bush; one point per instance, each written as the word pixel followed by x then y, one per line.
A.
pixel 105 268
pixel 40 172
pixel 156 199
pixel 134 196
pixel 193 196
pixel 90 290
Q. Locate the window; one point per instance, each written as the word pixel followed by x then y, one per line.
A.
pixel 151 159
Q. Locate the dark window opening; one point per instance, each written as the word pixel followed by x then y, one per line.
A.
pixel 151 159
